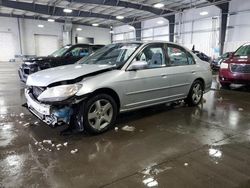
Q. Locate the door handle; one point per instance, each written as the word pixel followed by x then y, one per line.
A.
pixel 193 72
pixel 164 76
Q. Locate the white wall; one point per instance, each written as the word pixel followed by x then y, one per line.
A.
pixel 100 35
pixel 155 29
pixel 239 24
pixel 10 25
pixel 123 33
pixel 198 30
pixel 29 29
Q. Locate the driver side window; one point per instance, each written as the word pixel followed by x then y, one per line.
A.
pixel 153 55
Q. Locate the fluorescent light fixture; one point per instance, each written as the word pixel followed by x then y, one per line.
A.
pixel 40 25
pixel 66 10
pixel 203 13
pixel 51 20
pixel 158 5
pixel 160 22
pixel 120 17
pixel 78 29
pixel 95 24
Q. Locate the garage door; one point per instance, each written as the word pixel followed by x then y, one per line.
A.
pixel 6 46
pixel 46 44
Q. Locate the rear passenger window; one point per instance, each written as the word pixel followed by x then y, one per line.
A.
pixel 178 56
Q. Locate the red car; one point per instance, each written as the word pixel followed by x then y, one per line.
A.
pixel 236 69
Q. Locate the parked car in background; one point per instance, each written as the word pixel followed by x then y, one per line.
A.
pixel 202 56
pixel 215 64
pixel 117 78
pixel 66 55
pixel 236 69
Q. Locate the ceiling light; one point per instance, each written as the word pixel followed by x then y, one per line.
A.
pixel 95 24
pixel 120 17
pixel 158 5
pixel 203 13
pixel 66 10
pixel 51 20
pixel 40 25
pixel 160 22
pixel 78 29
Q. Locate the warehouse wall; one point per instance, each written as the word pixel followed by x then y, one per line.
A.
pixel 238 32
pixel 100 35
pixel 198 30
pixel 9 25
pixel 28 29
pixel 123 33
pixel 153 29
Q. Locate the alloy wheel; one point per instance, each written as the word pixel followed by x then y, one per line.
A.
pixel 197 93
pixel 100 114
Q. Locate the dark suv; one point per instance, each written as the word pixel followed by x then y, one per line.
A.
pixel 66 55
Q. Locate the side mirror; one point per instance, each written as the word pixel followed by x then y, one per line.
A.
pixel 137 65
pixel 69 54
pixel 231 54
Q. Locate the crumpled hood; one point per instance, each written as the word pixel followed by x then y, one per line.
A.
pixel 63 73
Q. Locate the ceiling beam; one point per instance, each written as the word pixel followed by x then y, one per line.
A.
pixel 56 11
pixel 125 4
pixel 44 19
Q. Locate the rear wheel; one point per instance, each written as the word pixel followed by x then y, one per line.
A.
pixel 195 94
pixel 98 114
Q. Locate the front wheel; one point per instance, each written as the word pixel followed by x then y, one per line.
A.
pixel 98 114
pixel 195 94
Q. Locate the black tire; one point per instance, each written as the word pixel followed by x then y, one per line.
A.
pixel 194 101
pixel 225 85
pixel 88 106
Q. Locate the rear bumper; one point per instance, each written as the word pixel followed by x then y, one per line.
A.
pixel 226 76
pixel 49 114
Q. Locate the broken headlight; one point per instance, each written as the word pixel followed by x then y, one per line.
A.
pixel 59 93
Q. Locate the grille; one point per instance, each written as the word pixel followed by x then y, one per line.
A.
pixel 36 91
pixel 240 68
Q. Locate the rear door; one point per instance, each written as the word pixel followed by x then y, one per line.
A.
pixel 181 70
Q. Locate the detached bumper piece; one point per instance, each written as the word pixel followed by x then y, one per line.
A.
pixel 49 114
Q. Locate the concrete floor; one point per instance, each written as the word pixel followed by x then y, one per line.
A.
pixel 205 146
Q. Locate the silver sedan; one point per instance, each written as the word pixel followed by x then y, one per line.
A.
pixel 117 78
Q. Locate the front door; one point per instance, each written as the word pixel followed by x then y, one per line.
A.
pixel 150 85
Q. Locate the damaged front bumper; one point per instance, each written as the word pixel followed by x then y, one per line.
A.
pixel 50 114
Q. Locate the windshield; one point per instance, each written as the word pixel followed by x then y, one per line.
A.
pixel 60 52
pixel 112 54
pixel 243 51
